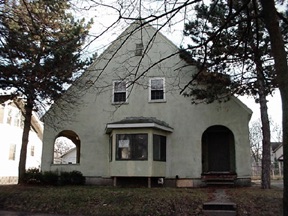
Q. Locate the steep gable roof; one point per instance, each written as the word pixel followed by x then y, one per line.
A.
pixel 19 102
pixel 275 146
pixel 137 25
pixel 108 54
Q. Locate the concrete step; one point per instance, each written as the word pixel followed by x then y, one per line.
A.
pixel 219 182
pixel 219 209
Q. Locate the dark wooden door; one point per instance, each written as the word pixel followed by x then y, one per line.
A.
pixel 218 152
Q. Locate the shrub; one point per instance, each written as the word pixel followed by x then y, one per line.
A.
pixel 65 178
pixel 77 178
pixel 50 178
pixel 33 176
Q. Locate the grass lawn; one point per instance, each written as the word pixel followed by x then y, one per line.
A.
pixel 93 200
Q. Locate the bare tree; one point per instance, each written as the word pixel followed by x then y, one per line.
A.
pixel 256 137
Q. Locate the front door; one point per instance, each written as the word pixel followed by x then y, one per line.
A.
pixel 218 150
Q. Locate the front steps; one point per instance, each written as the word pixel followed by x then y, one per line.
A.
pixel 219 178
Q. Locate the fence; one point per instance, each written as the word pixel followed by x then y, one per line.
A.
pixel 276 171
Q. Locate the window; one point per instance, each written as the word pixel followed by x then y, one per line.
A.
pixel 9 117
pixel 119 94
pixel 17 119
pixel 32 151
pixel 159 148
pixel 139 49
pixel 12 152
pixel 132 146
pixel 157 89
pixel 14 117
pixel 110 147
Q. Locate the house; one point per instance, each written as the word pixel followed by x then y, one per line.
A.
pixel 11 129
pixel 277 157
pixel 129 122
pixel 69 157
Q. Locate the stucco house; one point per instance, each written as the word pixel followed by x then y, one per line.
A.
pixel 129 122
pixel 11 129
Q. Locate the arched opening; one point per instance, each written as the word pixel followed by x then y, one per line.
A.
pixel 67 148
pixel 218 150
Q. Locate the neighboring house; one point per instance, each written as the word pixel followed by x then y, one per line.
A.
pixel 69 157
pixel 129 122
pixel 11 129
pixel 277 157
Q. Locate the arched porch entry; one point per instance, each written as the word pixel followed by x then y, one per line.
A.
pixel 218 150
pixel 67 141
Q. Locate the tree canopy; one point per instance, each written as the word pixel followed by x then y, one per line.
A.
pixel 229 40
pixel 40 52
pixel 40 47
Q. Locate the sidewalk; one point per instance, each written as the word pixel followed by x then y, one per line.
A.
pixel 13 213
pixel 274 183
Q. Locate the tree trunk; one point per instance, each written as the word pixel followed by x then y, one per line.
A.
pixel 25 140
pixel 266 134
pixel 266 150
pixel 277 44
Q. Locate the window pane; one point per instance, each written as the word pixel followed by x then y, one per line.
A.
pixel 119 86
pixel 159 148
pixel 157 84
pixel 140 142
pixel 120 97
pixel 123 146
pixel 157 94
pixel 110 147
pixel 132 146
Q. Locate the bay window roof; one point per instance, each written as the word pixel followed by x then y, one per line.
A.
pixel 139 122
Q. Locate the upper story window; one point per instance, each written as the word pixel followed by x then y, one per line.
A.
pixel 131 146
pixel 139 49
pixel 119 92
pixel 157 89
pixel 14 117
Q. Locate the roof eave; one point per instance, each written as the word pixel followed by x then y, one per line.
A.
pixel 111 126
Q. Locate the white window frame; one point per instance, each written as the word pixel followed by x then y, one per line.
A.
pixel 150 89
pixel 126 93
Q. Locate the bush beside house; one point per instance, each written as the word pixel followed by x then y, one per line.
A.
pixel 34 176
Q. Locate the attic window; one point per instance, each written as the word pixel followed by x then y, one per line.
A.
pixel 139 49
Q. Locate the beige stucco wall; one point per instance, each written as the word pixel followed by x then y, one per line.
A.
pixel 93 109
